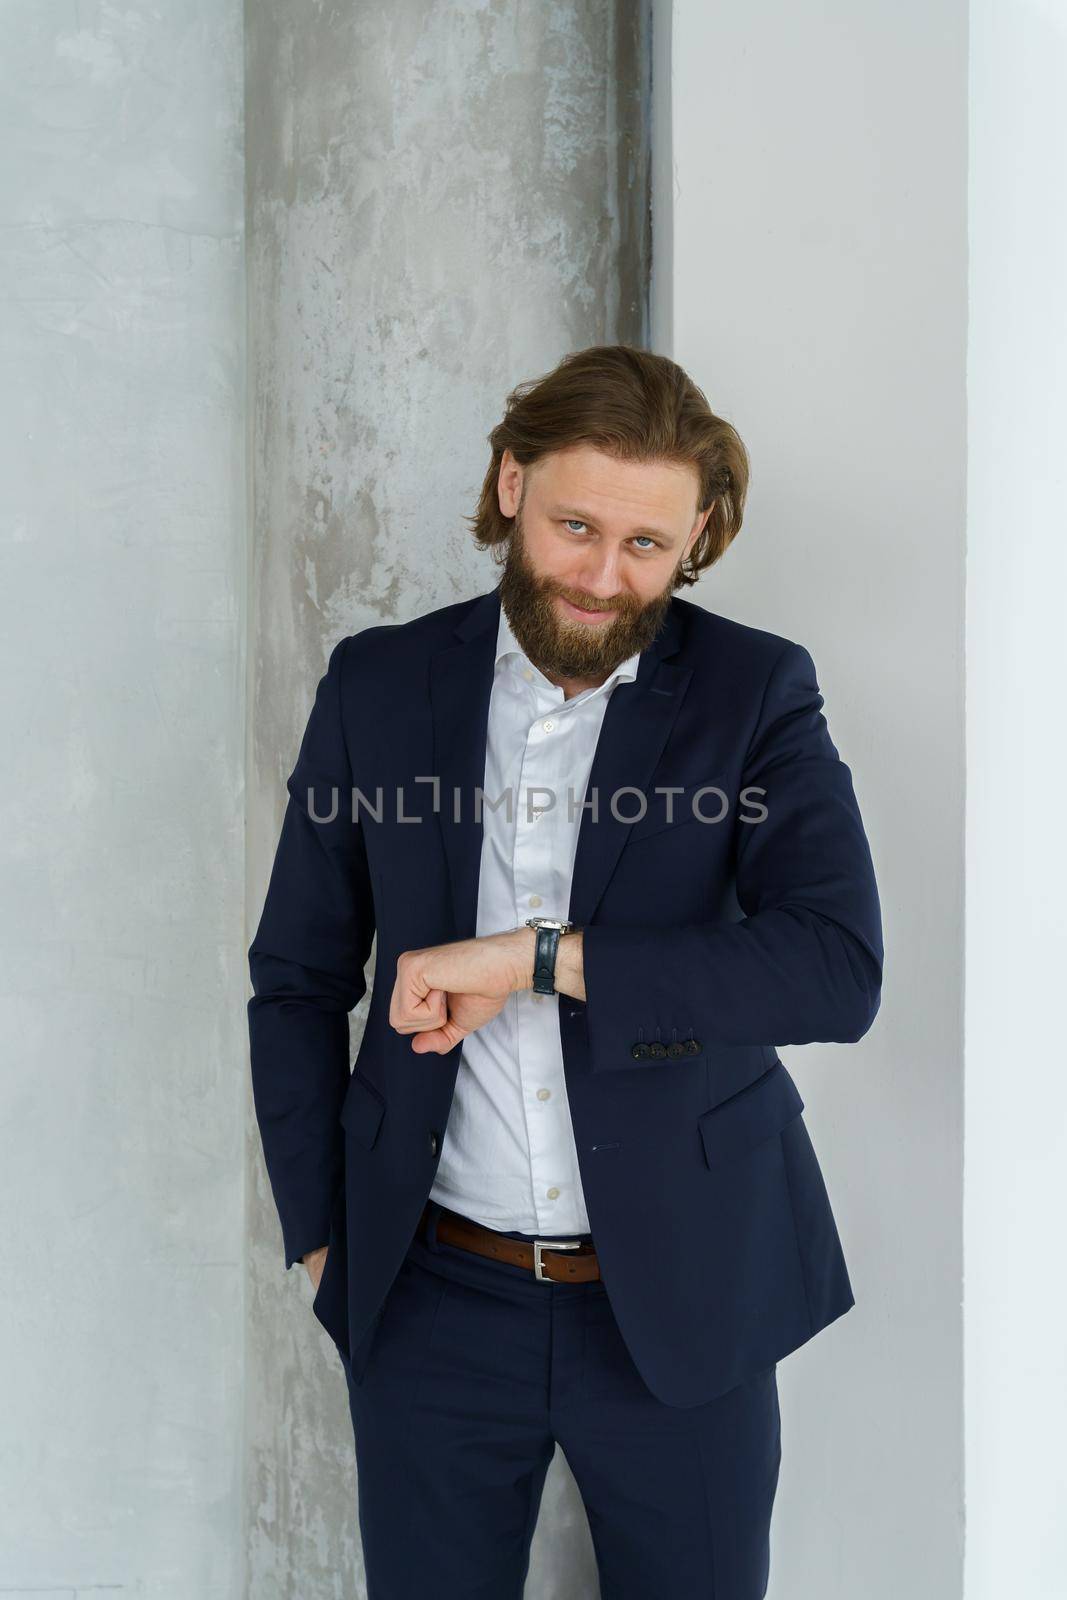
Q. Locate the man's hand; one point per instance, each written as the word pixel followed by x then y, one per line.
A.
pixel 446 991
pixel 315 1261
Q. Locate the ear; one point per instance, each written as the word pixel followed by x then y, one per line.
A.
pixel 508 484
pixel 698 528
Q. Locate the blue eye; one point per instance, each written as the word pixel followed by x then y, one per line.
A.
pixel 572 524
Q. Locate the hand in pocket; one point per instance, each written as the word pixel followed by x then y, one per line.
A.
pixel 315 1261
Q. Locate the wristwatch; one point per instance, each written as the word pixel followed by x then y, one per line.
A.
pixel 549 933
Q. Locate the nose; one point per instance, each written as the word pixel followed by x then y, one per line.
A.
pixel 599 579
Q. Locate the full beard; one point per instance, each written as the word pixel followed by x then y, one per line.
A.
pixel 570 649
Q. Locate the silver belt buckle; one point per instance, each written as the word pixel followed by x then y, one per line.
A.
pixel 551 1244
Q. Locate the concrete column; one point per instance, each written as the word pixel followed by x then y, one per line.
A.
pixel 441 201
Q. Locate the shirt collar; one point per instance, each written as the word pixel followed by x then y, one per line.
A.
pixel 508 646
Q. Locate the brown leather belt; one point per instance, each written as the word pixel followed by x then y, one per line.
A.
pixel 576 1263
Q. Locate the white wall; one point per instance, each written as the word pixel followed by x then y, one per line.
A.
pixel 1016 1127
pixel 121 828
pixel 818 293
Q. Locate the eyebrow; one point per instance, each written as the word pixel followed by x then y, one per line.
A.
pixel 578 515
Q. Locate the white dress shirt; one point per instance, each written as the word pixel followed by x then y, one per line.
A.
pixel 508 1157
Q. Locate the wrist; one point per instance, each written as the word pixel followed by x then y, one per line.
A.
pixel 569 976
pixel 570 965
pixel 525 940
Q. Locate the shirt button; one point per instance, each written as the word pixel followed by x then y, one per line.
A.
pixel 553 1194
pixel 548 725
pixel 543 1094
pixel 535 899
pixel 527 674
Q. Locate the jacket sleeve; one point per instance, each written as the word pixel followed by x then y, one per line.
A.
pixel 307 968
pixel 805 962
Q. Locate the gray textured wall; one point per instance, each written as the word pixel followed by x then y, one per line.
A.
pixel 121 866
pixel 441 200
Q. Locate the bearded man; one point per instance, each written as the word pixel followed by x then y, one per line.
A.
pixel 613 861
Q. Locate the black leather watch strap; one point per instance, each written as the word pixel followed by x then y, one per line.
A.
pixel 544 967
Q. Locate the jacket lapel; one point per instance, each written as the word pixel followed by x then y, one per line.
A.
pixel 635 730
pixel 461 682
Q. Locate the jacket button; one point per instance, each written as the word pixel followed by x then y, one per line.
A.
pixel 676 1049
pixel 693 1046
pixel 657 1048
pixel 433 1142
pixel 639 1051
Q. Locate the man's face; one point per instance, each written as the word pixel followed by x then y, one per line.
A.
pixel 594 555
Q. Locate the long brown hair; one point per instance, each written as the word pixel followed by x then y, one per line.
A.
pixel 634 406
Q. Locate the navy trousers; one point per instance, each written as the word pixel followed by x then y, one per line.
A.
pixel 476 1372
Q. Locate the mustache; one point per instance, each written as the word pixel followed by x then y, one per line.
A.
pixel 620 607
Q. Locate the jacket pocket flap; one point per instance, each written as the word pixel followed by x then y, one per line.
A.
pixel 761 1109
pixel 363 1110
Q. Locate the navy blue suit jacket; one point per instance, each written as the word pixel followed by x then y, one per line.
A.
pixel 706 946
